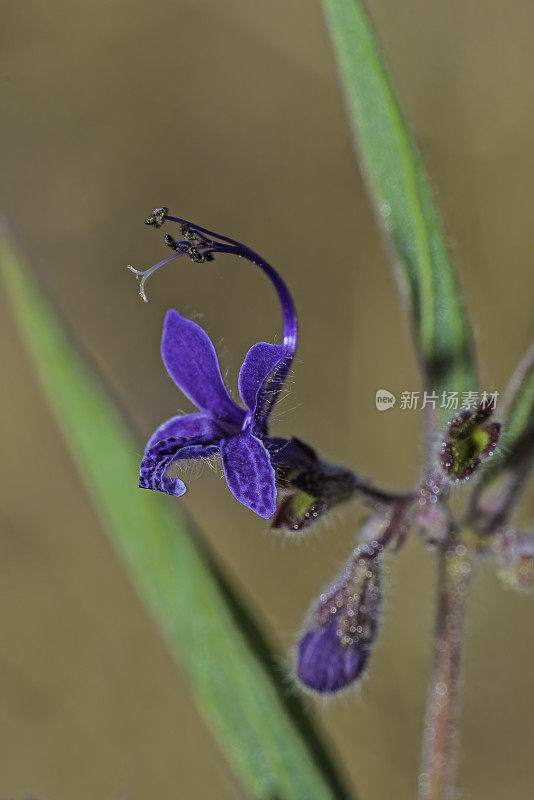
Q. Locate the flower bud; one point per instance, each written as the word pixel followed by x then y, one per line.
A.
pixel 469 440
pixel 310 486
pixel 334 650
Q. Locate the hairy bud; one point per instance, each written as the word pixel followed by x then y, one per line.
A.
pixel 310 486
pixel 469 440
pixel 334 650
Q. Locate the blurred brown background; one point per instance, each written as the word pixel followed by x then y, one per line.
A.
pixel 231 115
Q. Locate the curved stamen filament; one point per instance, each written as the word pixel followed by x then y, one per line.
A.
pixel 286 301
pixel 205 242
pixel 198 229
pixel 236 248
pixel 288 313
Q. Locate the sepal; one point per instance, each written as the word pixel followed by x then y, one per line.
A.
pixel 470 439
pixel 310 487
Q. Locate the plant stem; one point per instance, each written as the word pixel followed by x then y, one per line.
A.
pixel 455 566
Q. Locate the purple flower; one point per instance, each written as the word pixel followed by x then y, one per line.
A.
pixel 220 426
pixel 334 650
pixel 240 435
pixel 255 464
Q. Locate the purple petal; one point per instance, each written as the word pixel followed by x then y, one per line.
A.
pixel 191 362
pixel 159 457
pixel 197 426
pixel 259 362
pixel 324 664
pixel 249 474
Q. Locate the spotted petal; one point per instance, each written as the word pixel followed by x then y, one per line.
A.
pixel 159 457
pixel 191 361
pixel 195 427
pixel 249 474
pixel 259 362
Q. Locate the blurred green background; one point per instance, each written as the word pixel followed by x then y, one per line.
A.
pixel 231 115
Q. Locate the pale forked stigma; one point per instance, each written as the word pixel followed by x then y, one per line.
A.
pixel 141 278
pixel 143 275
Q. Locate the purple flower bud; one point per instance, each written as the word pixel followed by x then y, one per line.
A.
pixel 325 665
pixel 469 440
pixel 334 650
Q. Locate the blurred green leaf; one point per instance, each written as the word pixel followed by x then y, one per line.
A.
pixel 505 474
pixel 234 675
pixel 403 199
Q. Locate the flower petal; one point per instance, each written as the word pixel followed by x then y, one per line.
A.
pixel 249 474
pixel 259 362
pixel 159 457
pixel 324 664
pixel 197 426
pixel 191 361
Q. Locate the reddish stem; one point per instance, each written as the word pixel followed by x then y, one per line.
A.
pixel 455 569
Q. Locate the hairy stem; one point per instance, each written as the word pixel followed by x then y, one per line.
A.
pixel 455 565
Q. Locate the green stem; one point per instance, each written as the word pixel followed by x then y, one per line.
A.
pixel 455 567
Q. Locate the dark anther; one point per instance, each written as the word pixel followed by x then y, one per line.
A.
pixel 193 237
pixel 198 257
pixel 178 247
pixel 156 219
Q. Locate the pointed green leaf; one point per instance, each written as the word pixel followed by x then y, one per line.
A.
pixel 264 729
pixel 403 199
